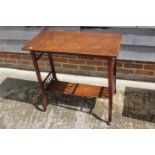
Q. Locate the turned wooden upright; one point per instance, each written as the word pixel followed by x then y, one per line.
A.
pixel 75 43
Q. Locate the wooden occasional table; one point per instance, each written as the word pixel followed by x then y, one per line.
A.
pixel 75 43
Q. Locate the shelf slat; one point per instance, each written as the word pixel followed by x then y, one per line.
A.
pixel 79 89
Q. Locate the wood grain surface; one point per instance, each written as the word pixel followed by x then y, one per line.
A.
pixel 83 43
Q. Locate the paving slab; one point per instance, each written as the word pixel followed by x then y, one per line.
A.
pixel 134 104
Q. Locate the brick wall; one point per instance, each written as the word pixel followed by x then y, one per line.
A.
pixel 135 70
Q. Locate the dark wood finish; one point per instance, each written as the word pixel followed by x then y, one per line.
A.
pixel 111 62
pixel 83 43
pixel 114 74
pixel 52 66
pixel 79 89
pixel 39 55
pixel 43 94
pixel 76 43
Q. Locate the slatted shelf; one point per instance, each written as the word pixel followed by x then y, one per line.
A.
pixel 79 89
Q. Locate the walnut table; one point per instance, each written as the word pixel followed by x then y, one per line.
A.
pixel 75 43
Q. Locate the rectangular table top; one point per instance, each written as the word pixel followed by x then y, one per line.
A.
pixel 79 43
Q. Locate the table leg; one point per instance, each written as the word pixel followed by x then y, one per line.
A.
pixel 114 76
pixel 52 66
pixel 110 85
pixel 37 70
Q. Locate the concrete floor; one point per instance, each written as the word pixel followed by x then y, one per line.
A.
pixel 134 104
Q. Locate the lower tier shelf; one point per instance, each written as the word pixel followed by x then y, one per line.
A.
pixel 79 89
